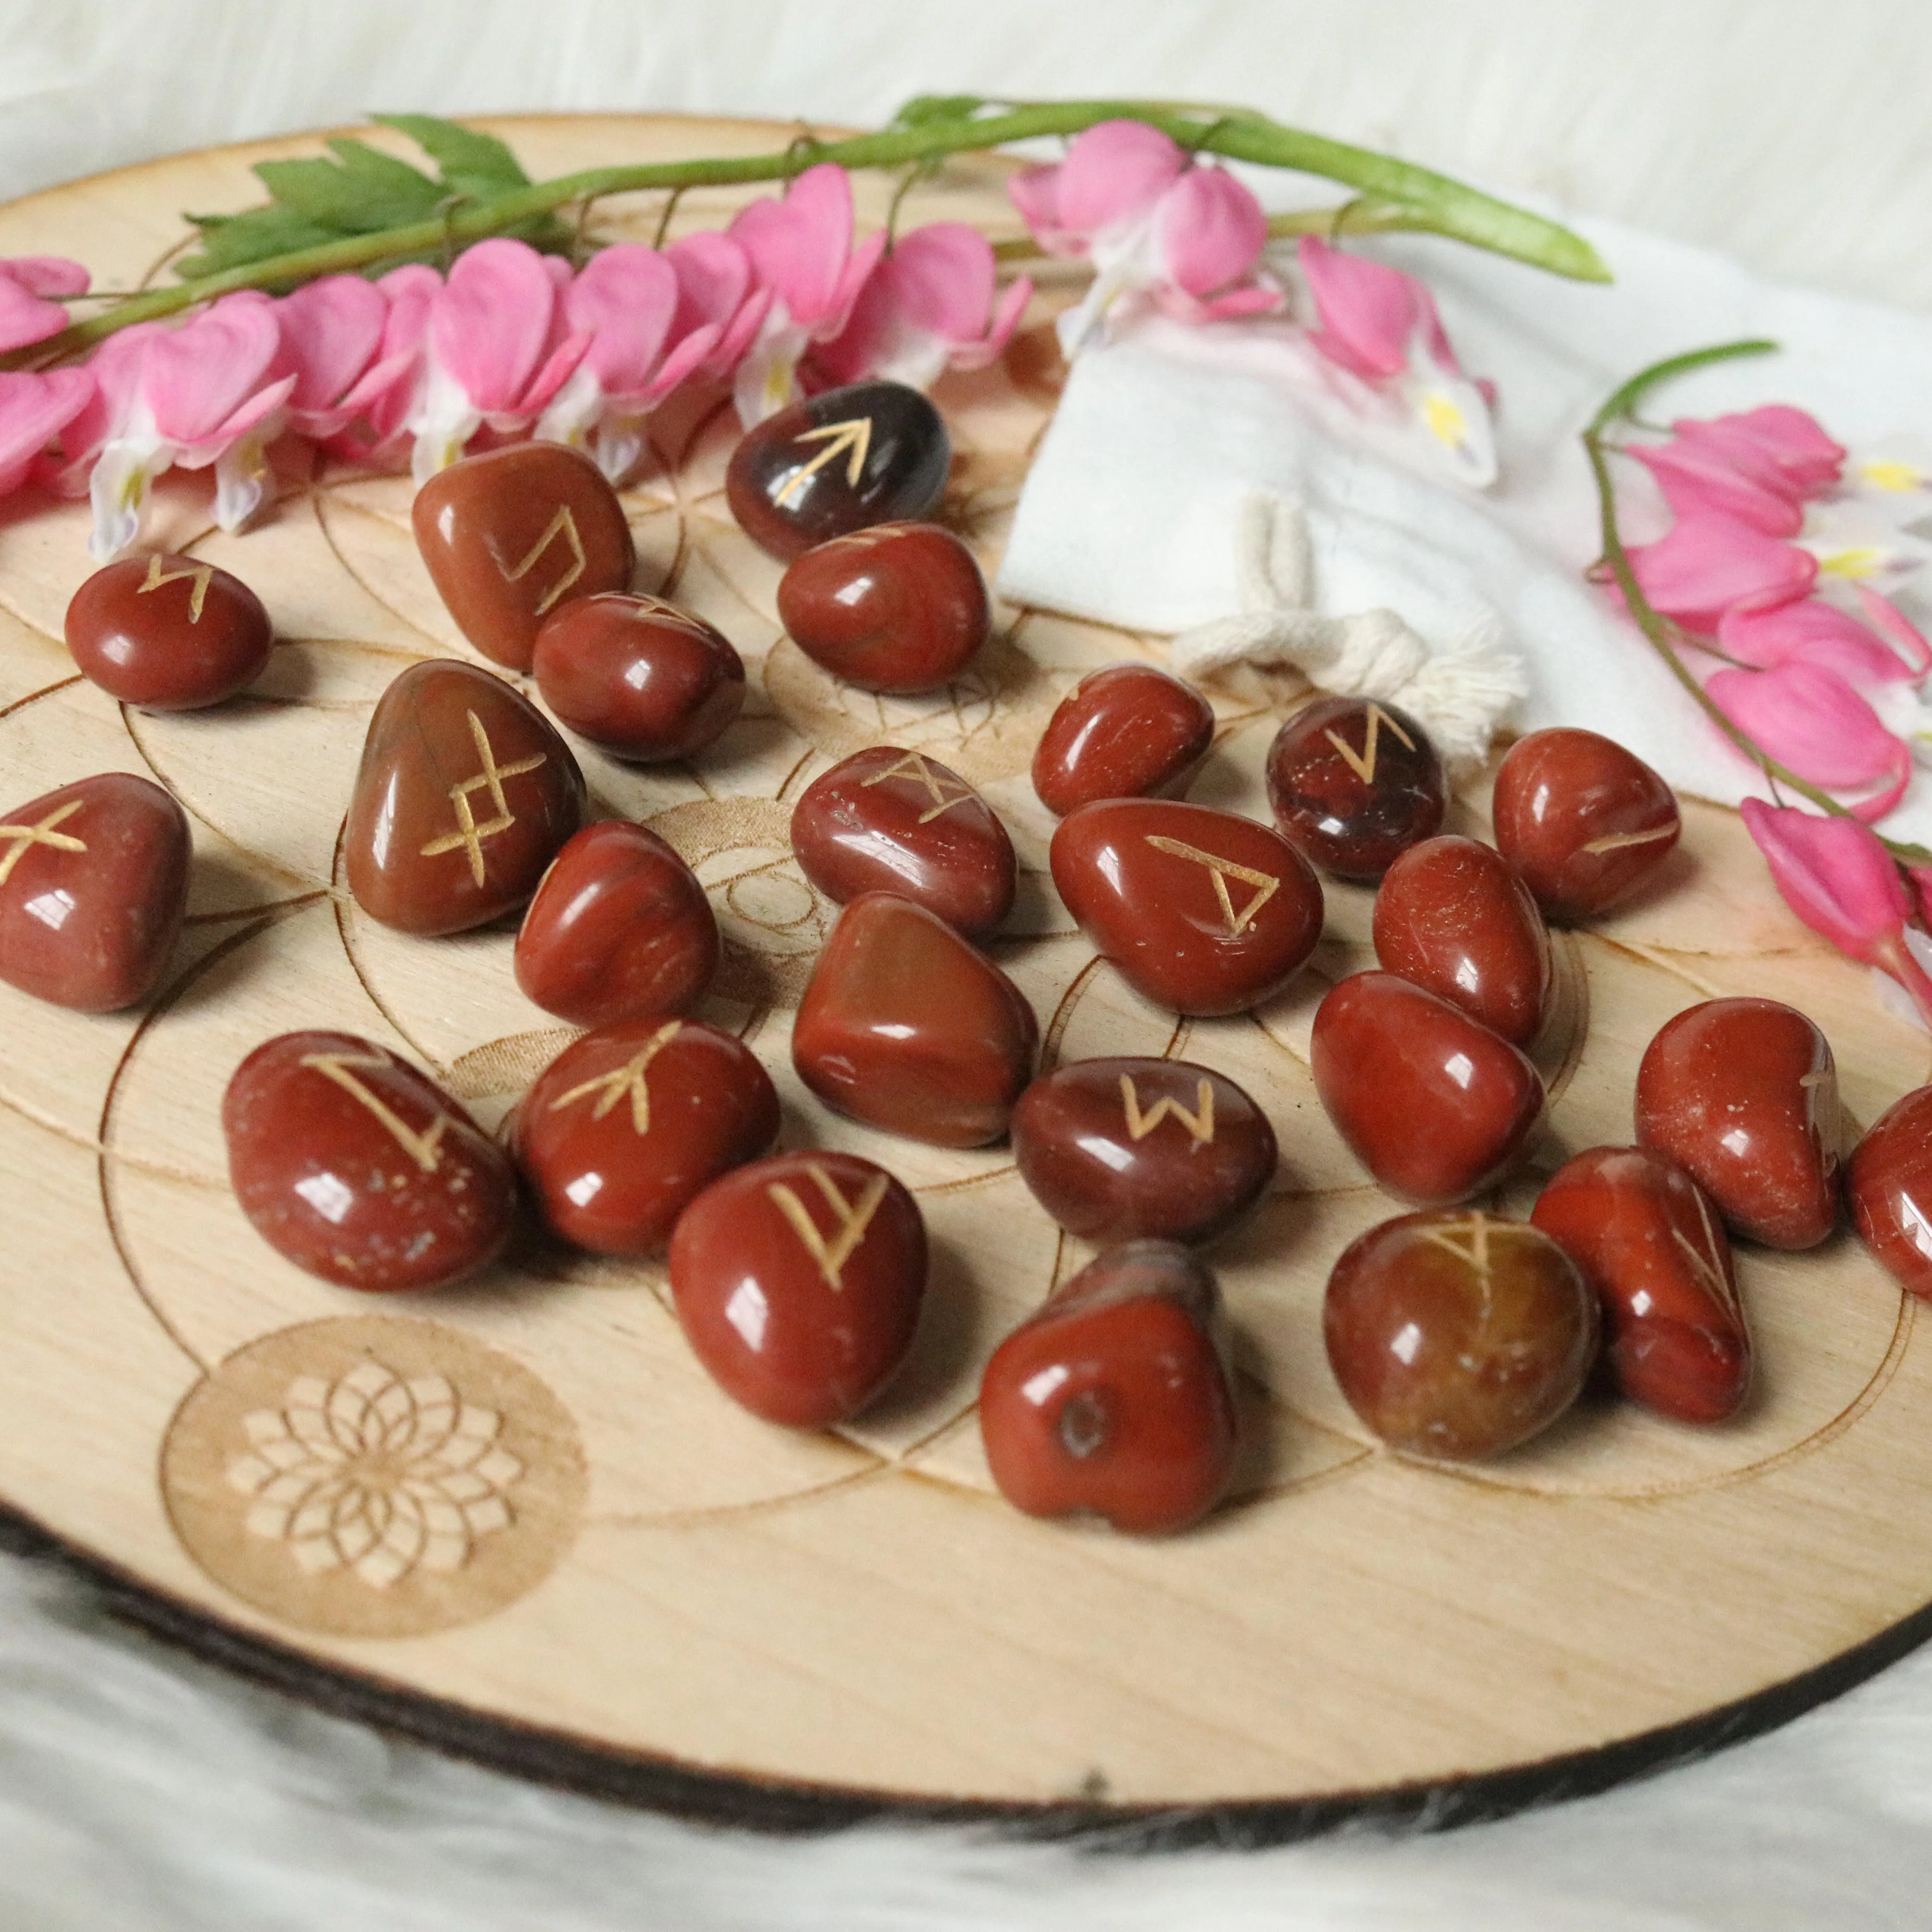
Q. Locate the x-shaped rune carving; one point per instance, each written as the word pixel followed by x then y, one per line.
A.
pixel 1363 762
pixel 469 834
pixel 912 767
pixel 1265 885
pixel 853 1220
pixel 611 1088
pixel 1200 1123
pixel 43 833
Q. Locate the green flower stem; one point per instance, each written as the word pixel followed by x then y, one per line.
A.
pixel 1425 200
pixel 1620 408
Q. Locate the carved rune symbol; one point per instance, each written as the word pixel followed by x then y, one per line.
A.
pixel 425 1148
pixel 1363 762
pixel 1200 1123
pixel 40 834
pixel 853 1220
pixel 469 834
pixel 1707 1264
pixel 912 767
pixel 1265 885
pixel 629 1078
pixel 1616 841
pixel 855 435
pixel 565 522
pixel 199 575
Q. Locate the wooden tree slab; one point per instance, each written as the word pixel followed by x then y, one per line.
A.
pixel 622 1580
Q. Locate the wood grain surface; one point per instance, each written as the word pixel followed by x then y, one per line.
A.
pixel 623 1581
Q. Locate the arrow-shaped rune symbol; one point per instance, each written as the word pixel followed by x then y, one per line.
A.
pixel 855 435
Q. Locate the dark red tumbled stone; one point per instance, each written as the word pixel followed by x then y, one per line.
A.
pixel 1353 782
pixel 168 633
pixel 1128 731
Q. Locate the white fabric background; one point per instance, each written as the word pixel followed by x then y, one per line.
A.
pixel 139 1791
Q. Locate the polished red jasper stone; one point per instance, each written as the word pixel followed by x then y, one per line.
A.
pixel 1584 821
pixel 626 1127
pixel 905 1026
pixel 510 535
pixel 1115 1396
pixel 1120 1149
pixel 888 821
pixel 1452 916
pixel 465 794
pixel 360 1169
pixel 839 461
pixel 1651 1246
pixel 1888 1183
pixel 798 1281
pixel 1458 1336
pixel 93 886
pixel 168 633
pixel 1124 732
pixel 1435 1105
pixel 1744 1093
pixel 620 926
pixel 1201 911
pixel 638 677
pixel 899 607
pixel 1353 782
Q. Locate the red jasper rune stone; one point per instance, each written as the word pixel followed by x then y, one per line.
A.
pixel 888 821
pixel 1353 782
pixel 1651 1246
pixel 839 461
pixel 1584 821
pixel 898 607
pixel 798 1281
pixel 354 1166
pixel 1452 916
pixel 1115 1396
pixel 93 886
pixel 1888 1183
pixel 1744 1093
pixel 465 794
pixel 1201 912
pixel 1124 732
pixel 1434 1106
pixel 1126 1149
pixel 509 534
pixel 619 927
pixel 638 677
pixel 906 1027
pixel 1458 1336
pixel 626 1127
pixel 168 633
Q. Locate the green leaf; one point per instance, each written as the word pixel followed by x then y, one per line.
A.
pixel 471 163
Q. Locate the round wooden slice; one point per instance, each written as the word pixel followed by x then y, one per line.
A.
pixel 517 1518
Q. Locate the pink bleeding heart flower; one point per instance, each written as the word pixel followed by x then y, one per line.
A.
pixel 625 300
pixel 25 316
pixel 1706 564
pixel 1698 480
pixel 1837 876
pixel 801 250
pixel 930 304
pixel 1810 631
pixel 335 336
pixel 500 346
pixel 391 393
pixel 1779 448
pixel 1381 327
pixel 35 410
pixel 717 287
pixel 1812 722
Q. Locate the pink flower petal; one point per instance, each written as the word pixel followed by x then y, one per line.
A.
pixel 866 257
pixel 25 318
pixel 1812 721
pixel 1777 444
pixel 941 278
pixel 625 298
pixel 47 274
pixel 196 378
pixel 34 409
pixel 1886 618
pixel 1809 631
pixel 491 323
pixel 1366 311
pixel 1210 231
pixel 714 277
pixel 1035 192
pixel 1834 874
pixel 331 331
pixel 556 370
pixel 799 247
pixel 1695 478
pixel 1706 565
pixel 1114 173
pixel 981 355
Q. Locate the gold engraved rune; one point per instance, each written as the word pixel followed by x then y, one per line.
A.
pixel 40 834
pixel 200 575
pixel 469 834
pixel 1707 1264
pixel 912 767
pixel 855 435
pixel 1616 841
pixel 853 1220
pixel 562 521
pixel 1265 885
pixel 425 1148
pixel 611 1088
pixel 1199 1123
pixel 1363 762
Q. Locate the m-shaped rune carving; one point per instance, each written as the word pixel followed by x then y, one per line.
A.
pixel 42 833
pixel 852 1219
pixel 629 1079
pixel 1265 884
pixel 1200 1123
pixel 855 435
pixel 564 523
pixel 425 1148
pixel 912 767
pixel 199 575
pixel 469 834
pixel 1363 762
